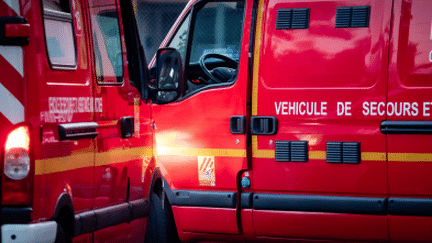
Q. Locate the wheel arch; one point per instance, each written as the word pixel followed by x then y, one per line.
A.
pixel 64 214
pixel 156 182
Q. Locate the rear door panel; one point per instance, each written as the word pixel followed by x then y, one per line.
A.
pixel 409 143
pixel 317 81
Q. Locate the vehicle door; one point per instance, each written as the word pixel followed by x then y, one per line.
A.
pixel 201 137
pixel 125 140
pixel 409 123
pixel 319 168
pixel 64 100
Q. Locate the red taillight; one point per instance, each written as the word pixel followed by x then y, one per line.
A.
pixel 16 168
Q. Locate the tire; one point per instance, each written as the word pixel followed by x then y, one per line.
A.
pixel 160 223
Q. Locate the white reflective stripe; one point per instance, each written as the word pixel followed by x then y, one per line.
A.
pixel 35 233
pixel 10 106
pixel 14 56
pixel 14 4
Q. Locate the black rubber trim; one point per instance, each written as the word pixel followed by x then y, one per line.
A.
pixel 106 217
pixel 329 204
pixel 16 215
pixel 81 130
pixel 246 199
pixel 85 223
pixel 406 127
pixel 410 206
pixel 201 198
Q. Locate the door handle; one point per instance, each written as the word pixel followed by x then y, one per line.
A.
pixel 238 124
pixel 80 130
pixel 127 126
pixel 406 127
pixel 264 125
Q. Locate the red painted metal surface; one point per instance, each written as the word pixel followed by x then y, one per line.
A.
pixel 223 220
pixel 409 82
pixel 409 229
pixel 198 129
pixel 321 226
pixel 332 72
pixel 94 172
pixel 323 84
pixel 410 68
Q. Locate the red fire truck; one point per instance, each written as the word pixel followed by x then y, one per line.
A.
pixel 76 134
pixel 296 120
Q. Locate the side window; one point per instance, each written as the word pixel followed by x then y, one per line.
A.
pixel 215 45
pixel 107 44
pixel 218 28
pixel 179 41
pixel 59 35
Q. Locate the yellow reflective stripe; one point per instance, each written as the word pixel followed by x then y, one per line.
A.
pixel 60 164
pixel 410 157
pixel 256 153
pixel 375 156
pixel 320 155
pixel 241 153
pixel 122 155
pixel 365 156
pixel 264 154
pixel 257 58
pixel 84 160
pixel 317 155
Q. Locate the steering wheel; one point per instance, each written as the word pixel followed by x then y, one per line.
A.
pixel 230 62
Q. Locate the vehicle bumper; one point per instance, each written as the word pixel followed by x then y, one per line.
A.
pixel 39 232
pixel 16 227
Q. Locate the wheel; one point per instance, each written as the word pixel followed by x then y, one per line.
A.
pixel 160 223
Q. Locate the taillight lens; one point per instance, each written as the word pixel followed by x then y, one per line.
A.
pixel 17 157
pixel 16 181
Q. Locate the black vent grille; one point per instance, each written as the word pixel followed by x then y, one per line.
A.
pixel 339 152
pixel 351 153
pixel 334 152
pixel 352 17
pixel 294 18
pixel 295 151
pixel 282 151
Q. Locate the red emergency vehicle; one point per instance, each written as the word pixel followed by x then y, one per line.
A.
pixel 75 130
pixel 296 120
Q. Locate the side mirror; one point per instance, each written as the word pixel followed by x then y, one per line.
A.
pixel 169 76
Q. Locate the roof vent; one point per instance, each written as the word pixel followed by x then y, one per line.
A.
pixel 292 18
pixel 352 17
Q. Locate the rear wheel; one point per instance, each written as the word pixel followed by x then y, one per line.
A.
pixel 160 223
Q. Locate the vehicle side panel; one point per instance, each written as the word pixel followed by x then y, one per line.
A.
pixel 409 152
pixel 314 81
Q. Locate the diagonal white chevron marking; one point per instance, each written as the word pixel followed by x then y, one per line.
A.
pixel 10 106
pixel 14 55
pixel 13 4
